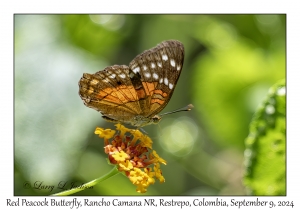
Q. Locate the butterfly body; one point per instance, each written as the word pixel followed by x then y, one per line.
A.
pixel 135 94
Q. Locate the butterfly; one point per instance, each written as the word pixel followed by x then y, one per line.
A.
pixel 135 94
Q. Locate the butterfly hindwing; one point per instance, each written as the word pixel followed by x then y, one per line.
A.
pixel 110 91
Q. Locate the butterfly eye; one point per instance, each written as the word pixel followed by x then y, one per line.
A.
pixel 156 119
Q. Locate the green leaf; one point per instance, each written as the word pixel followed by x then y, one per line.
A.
pixel 265 161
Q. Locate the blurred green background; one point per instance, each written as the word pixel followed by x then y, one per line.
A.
pixel 230 62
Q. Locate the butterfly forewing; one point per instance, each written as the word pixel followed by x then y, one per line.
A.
pixel 159 69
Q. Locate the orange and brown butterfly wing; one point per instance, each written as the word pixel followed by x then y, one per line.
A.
pixel 143 89
pixel 159 69
pixel 111 92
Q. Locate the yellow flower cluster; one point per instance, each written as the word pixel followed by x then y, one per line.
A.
pixel 132 153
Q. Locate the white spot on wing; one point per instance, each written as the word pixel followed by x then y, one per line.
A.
pixel 147 74
pixel 159 64
pixel 166 81
pixel 145 67
pixel 178 67
pixel 112 76
pixel 155 76
pixel 161 80
pixel 172 62
pixel 122 75
pixel 152 65
pixel 164 57
pixel 136 70
pixel 94 82
pixel 171 85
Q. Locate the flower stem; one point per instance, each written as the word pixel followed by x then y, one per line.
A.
pixel 113 172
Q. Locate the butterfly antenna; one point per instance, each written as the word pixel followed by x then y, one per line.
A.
pixel 186 108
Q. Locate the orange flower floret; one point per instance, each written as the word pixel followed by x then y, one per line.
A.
pixel 150 174
pixel 147 142
pixel 142 179
pixel 158 159
pixel 122 129
pixel 131 154
pixel 125 166
pixel 136 135
pixel 120 156
pixel 158 173
pixel 105 133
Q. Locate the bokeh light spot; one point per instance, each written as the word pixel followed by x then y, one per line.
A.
pixel 110 22
pixel 179 135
